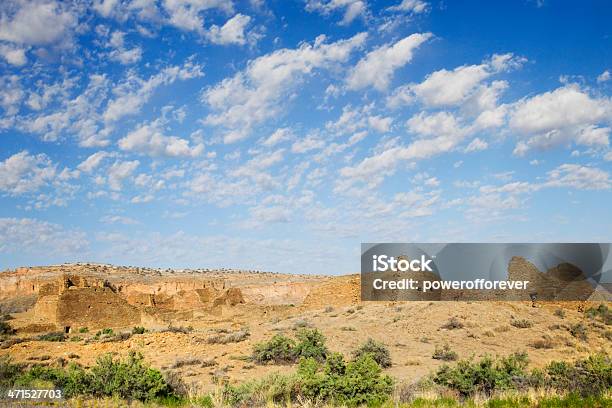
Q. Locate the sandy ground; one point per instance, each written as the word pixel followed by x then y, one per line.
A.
pixel 411 330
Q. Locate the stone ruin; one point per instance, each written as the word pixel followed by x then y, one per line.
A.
pixel 74 301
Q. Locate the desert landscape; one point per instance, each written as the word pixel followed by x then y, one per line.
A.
pixel 202 325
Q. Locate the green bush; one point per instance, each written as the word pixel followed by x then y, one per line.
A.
pixel 522 324
pixel 130 379
pixel 278 350
pixel 356 383
pixel 445 354
pixel 54 336
pixel 378 351
pixel 579 331
pixel 311 344
pixel 83 330
pixel 6 328
pixel 8 372
pixel 283 350
pixel 602 311
pixel 138 330
pixel 590 376
pixel 485 376
pixel 560 313
pixel 452 324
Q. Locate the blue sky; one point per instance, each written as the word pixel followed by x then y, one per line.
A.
pixel 279 135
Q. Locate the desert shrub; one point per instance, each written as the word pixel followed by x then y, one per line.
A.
pixel 209 363
pixel 8 372
pixel 453 323
pixel 234 337
pixel 104 334
pixel 590 376
pixel 602 311
pixel 278 350
pixel 579 331
pixel 76 338
pixel 6 328
pixel 378 351
pixel 560 313
pixel 274 388
pixel 356 383
pixel 138 330
pixel 179 329
pixel 546 342
pixel 329 309
pixel 311 344
pixel 522 323
pixel 186 362
pixel 283 350
pixel 485 376
pixel 445 354
pixel 54 336
pixel 83 330
pixel 301 323
pixel 129 379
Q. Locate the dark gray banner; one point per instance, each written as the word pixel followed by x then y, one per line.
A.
pixel 483 271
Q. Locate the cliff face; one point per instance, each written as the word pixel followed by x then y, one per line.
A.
pixel 98 296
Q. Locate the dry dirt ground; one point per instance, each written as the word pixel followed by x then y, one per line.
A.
pixel 411 330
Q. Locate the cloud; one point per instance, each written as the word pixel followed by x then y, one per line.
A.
pixel 566 115
pixel 92 162
pixel 149 139
pixel 135 92
pixel 411 6
pixel 438 133
pixel 25 173
pixel 279 135
pixel 476 145
pixel 232 32
pixel 35 22
pixel 105 7
pixel 354 120
pixel 604 76
pixel 119 171
pixel 254 95
pixel 118 219
pixel 377 67
pixel 78 115
pixel 32 236
pixel 445 88
pixel 13 55
pixel 494 200
pixel 308 143
pixel 186 14
pixel 125 56
pixel 352 8
pixel 579 177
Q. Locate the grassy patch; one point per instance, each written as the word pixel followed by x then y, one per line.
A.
pixel 444 353
pixel 521 323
